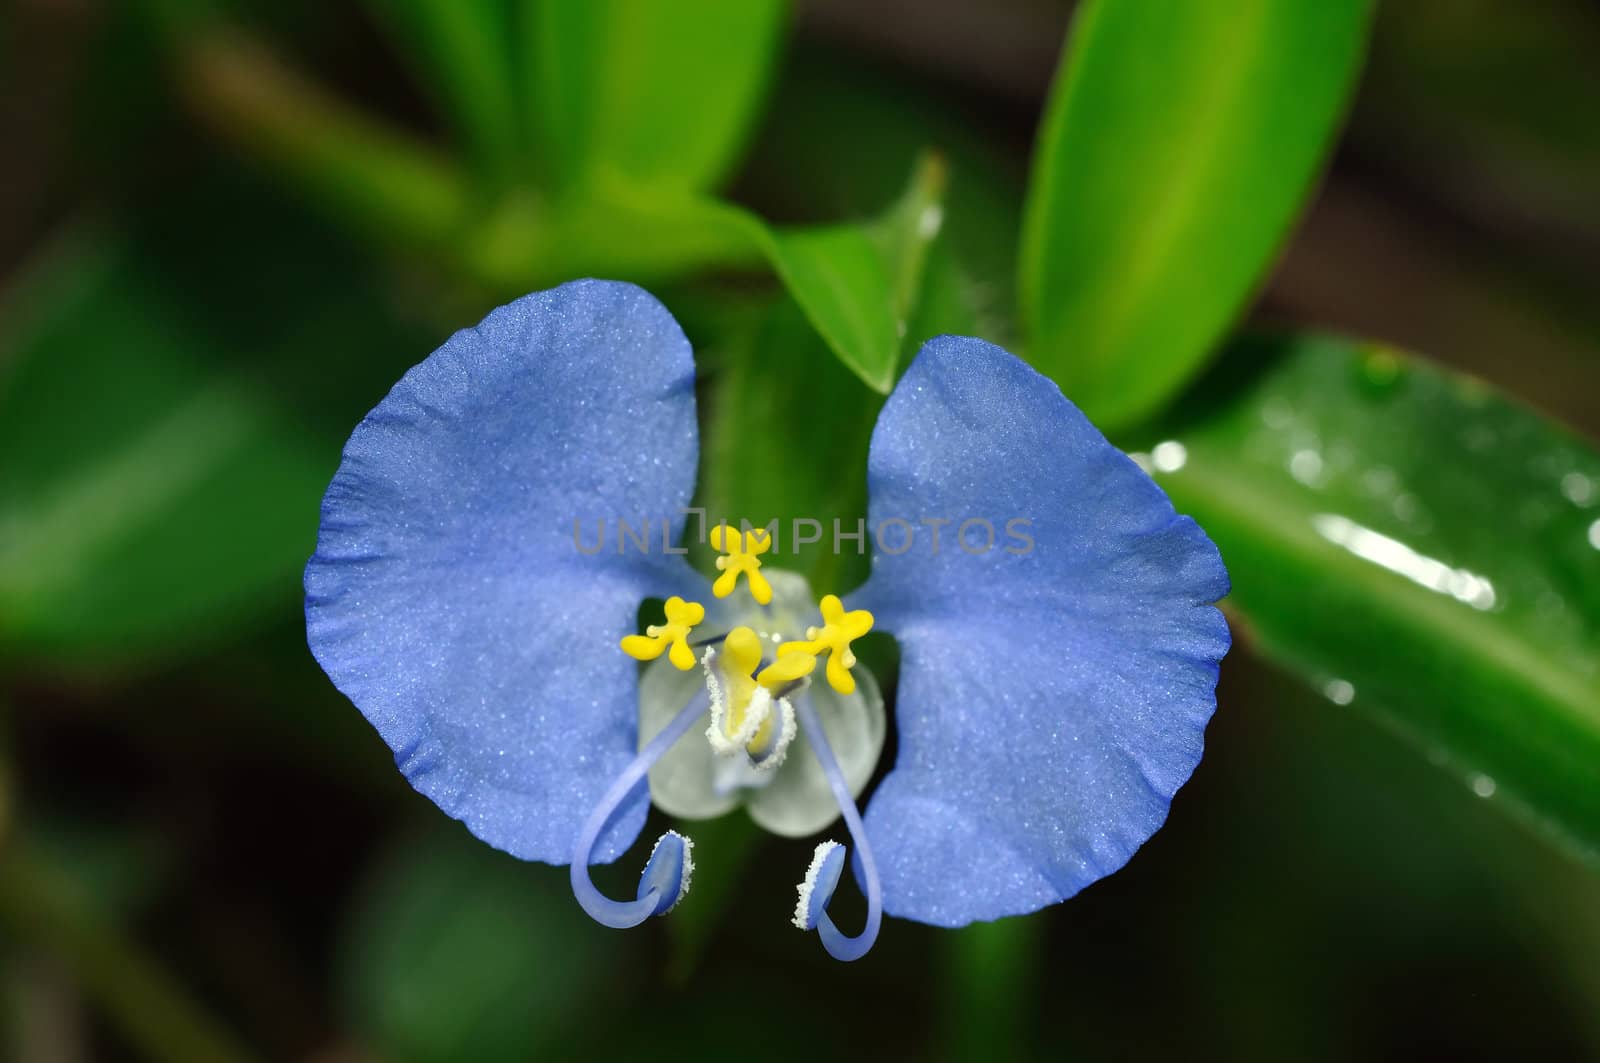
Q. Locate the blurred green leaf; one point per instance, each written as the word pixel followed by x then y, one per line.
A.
pixel 373 181
pixel 116 865
pixel 170 413
pixel 532 243
pixel 1416 545
pixel 463 52
pixel 455 951
pixel 858 284
pixel 1178 143
pixel 827 107
pixel 644 94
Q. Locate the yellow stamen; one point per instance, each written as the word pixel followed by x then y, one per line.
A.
pixel 741 553
pixel 786 670
pixel 838 630
pixel 682 616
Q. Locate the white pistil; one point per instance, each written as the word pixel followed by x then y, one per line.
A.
pixel 802 909
pixel 755 714
pixel 688 866
pixel 771 758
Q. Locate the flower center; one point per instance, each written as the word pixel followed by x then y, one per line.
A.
pixel 756 683
pixel 741 751
pixel 749 678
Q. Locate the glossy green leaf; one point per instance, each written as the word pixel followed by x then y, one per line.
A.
pixel 859 283
pixel 838 276
pixel 1416 545
pixel 646 94
pixel 168 423
pixel 1178 143
pixel 463 53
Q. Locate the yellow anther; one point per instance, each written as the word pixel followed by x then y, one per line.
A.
pixel 786 670
pixel 681 617
pixel 741 553
pixel 838 630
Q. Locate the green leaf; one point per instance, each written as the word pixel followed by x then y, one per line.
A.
pixel 171 412
pixel 643 94
pixel 1178 143
pixel 1416 545
pixel 622 234
pixel 455 951
pixel 859 284
pixel 835 108
pixel 463 54
pixel 838 276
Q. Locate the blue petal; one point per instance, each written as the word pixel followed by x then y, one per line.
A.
pixel 447 597
pixel 1053 699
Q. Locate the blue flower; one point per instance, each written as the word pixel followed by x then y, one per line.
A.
pixel 1054 687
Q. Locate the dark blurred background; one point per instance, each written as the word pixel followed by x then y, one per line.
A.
pixel 208 849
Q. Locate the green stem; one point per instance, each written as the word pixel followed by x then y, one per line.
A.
pixel 395 190
pixel 39 904
pixel 724 850
pixel 365 172
pixel 991 972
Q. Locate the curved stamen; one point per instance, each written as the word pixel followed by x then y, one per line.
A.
pixel 666 875
pixel 828 863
